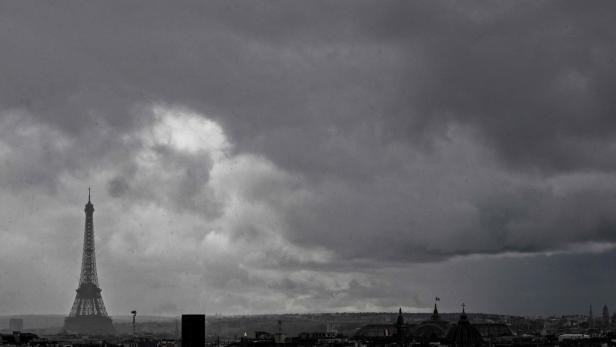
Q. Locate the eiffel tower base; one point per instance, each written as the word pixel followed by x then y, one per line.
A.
pixel 88 325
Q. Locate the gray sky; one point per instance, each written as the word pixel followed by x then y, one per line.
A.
pixel 287 156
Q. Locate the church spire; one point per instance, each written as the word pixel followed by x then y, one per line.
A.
pixel 435 312
pixel 463 315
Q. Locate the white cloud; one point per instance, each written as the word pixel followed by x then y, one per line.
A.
pixel 186 131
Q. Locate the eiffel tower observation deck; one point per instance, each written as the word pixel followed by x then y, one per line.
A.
pixel 88 315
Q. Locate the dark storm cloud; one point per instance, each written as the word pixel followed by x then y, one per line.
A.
pixel 360 136
pixel 534 79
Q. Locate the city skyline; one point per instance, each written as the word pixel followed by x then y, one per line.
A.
pixel 269 157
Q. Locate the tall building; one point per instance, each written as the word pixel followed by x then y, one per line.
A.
pixel 193 330
pixel 88 315
pixel 591 319
pixel 400 328
pixel 606 315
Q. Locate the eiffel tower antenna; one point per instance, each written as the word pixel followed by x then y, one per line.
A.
pixel 88 315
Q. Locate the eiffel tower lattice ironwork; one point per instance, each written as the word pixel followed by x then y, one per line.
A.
pixel 88 315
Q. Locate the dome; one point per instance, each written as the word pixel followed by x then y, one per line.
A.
pixel 464 333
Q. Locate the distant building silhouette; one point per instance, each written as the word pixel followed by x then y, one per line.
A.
pixel 464 334
pixel 606 315
pixel 17 339
pixel 398 332
pixel 432 330
pixel 16 324
pixel 591 319
pixel 193 330
pixel 400 328
pixel 88 315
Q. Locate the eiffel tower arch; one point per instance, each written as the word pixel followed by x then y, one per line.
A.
pixel 88 315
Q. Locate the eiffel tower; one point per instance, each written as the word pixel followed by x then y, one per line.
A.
pixel 88 315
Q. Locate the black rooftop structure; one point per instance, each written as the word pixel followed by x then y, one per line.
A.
pixel 464 334
pixel 193 330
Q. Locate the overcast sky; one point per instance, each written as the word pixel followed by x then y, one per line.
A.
pixel 287 156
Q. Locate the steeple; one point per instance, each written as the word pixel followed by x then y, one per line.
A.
pixel 435 313
pixel 400 320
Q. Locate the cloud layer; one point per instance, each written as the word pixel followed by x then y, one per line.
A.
pixel 283 157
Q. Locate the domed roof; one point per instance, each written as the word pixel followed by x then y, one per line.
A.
pixel 464 333
pixel 431 330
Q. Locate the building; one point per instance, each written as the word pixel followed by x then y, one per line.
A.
pixel 432 330
pixel 398 332
pixel 400 329
pixel 321 338
pixel 493 330
pixel 591 318
pixel 17 338
pixel 193 330
pixel 464 334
